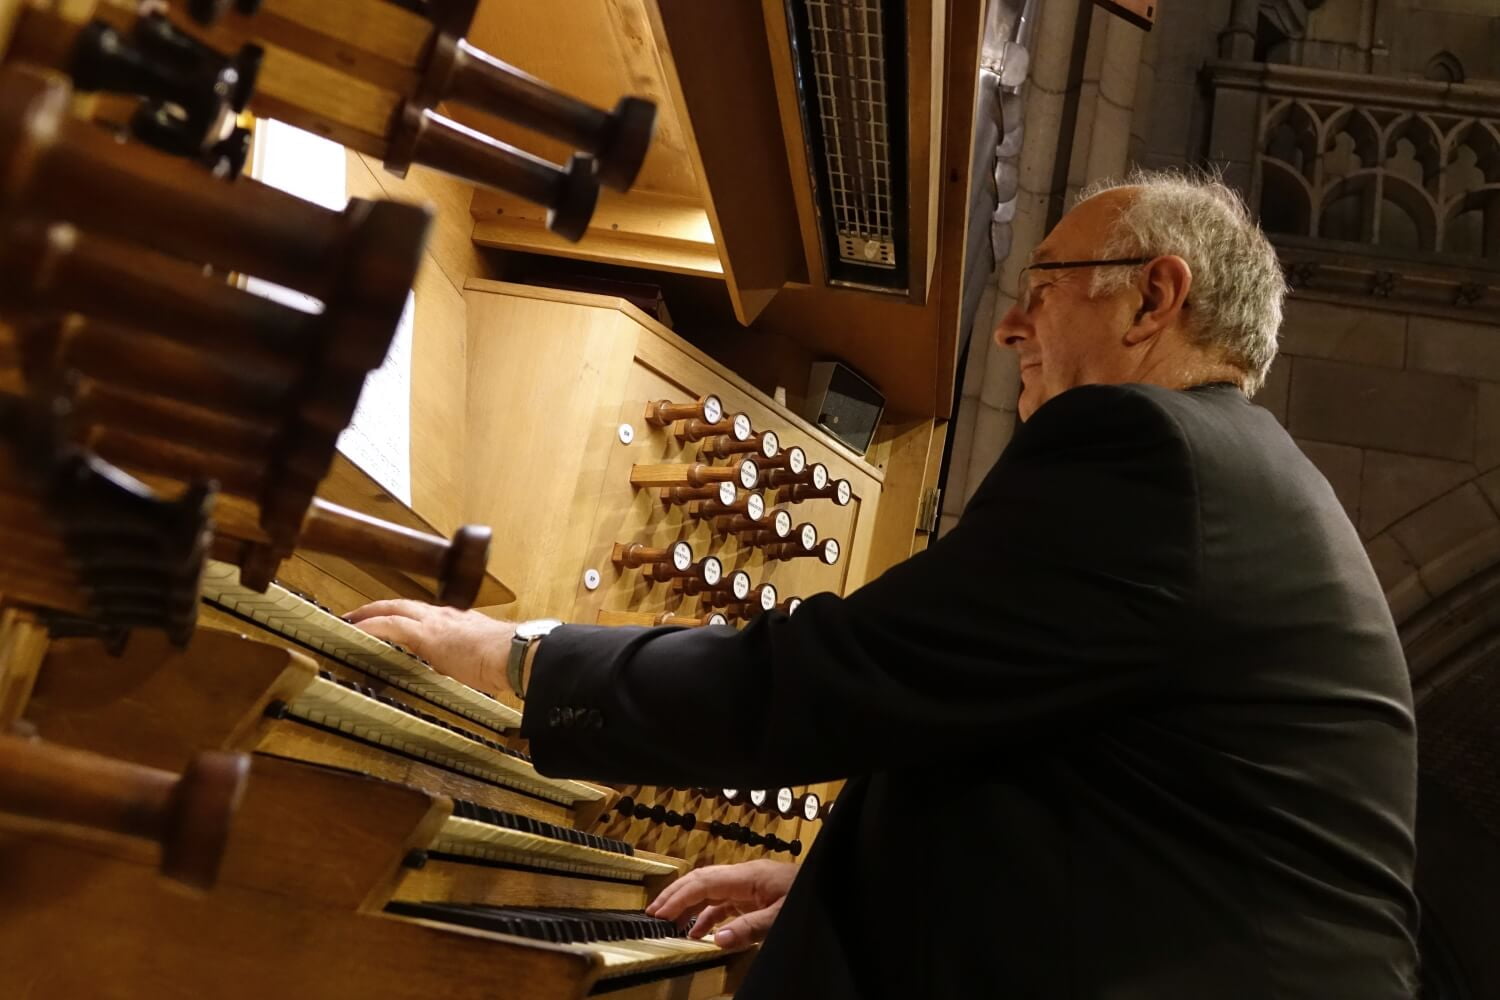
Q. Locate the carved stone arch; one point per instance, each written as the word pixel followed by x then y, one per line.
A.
pixel 1286 199
pixel 1480 137
pixel 1292 133
pixel 1471 223
pixel 1429 146
pixel 1347 207
pixel 1453 649
pixel 1400 195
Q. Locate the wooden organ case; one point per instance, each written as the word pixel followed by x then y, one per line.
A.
pixel 211 784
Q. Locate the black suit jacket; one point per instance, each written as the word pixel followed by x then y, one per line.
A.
pixel 1138 728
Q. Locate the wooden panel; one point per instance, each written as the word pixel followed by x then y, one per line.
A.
pixel 925 42
pixel 459 882
pixel 158 705
pixel 323 835
pixel 639 229
pixel 129 935
pixel 913 446
pixel 23 644
pixel 286 738
pixel 718 70
pixel 794 139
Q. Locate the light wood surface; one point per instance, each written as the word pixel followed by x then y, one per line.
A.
pixel 23 644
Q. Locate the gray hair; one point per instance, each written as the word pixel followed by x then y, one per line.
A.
pixel 1238 286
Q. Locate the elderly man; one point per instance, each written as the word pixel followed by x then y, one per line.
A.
pixel 1138 728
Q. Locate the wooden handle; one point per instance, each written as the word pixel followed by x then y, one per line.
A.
pixel 425 137
pixel 458 565
pixel 162 201
pixel 663 412
pixel 696 429
pixel 460 72
pixel 189 815
pixel 695 474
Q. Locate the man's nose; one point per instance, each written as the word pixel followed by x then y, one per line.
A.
pixel 1012 329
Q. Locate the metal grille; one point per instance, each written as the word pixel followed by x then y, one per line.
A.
pixel 848 59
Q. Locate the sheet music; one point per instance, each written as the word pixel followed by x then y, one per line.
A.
pixel 378 438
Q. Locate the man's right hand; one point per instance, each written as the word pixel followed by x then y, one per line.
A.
pixel 751 893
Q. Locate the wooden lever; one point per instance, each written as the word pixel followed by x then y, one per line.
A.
pixel 722 492
pixel 793 460
pixel 749 506
pixel 815 474
pixel 839 491
pixel 708 571
pixel 648 618
pixel 762 444
pixel 694 429
pixel 734 587
pixel 458 565
pixel 568 193
pixel 188 814
pixel 663 412
pixel 826 551
pixel 695 474
pixel 774 530
pixel 457 71
pixel 635 555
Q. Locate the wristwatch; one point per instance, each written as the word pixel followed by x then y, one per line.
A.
pixel 526 634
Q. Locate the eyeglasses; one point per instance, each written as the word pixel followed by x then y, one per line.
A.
pixel 1025 290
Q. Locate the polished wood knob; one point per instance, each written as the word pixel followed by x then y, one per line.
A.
pixel 732 587
pixel 736 426
pixel 825 551
pixel 189 815
pixel 840 491
pixel 789 605
pixel 713 618
pixel 422 136
pixel 634 555
pixel 663 412
pixel 724 493
pixel 745 474
pixel 776 528
pixel 457 71
pixel 651 618
pixel 814 473
pixel 785 802
pixel 809 807
pixel 458 565
pixel 730 524
pixel 764 444
pixel 749 505
pixel 792 460
pixel 708 571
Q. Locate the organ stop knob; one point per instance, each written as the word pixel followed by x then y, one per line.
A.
pixel 694 429
pixel 633 555
pixel 707 409
pixel 695 474
pixel 764 445
pixel 815 473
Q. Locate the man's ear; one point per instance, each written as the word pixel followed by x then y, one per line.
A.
pixel 1164 286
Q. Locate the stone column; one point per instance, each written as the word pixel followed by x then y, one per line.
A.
pixel 1237 42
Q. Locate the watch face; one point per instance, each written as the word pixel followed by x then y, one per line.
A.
pixel 796 460
pixel 739 585
pixel 793 604
pixel 820 476
pixel 784 799
pixel 749 474
pixel 809 536
pixel 770 444
pixel 726 493
pixel 810 805
pixel 713 410
pixel 717 619
pixel 767 597
pixel 682 555
pixel 831 551
pixel 537 628
pixel 755 506
pixel 845 491
pixel 713 570
pixel 741 430
pixel 758 797
pixel 783 524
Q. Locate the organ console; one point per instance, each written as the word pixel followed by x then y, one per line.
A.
pixel 180 535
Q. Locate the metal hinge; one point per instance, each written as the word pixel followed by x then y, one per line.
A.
pixel 927 513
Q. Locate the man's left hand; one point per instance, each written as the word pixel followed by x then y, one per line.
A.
pixel 465 645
